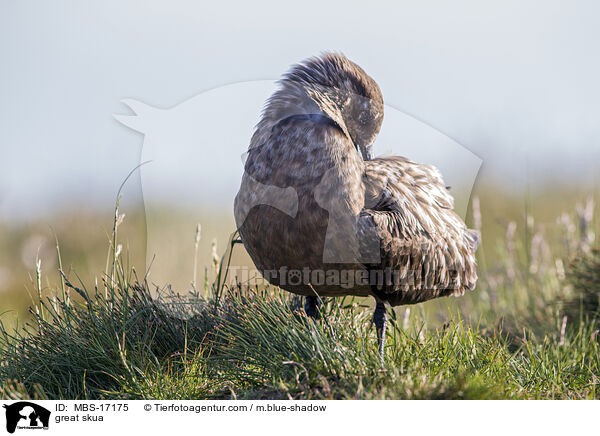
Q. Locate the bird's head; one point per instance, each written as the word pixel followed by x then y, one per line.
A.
pixel 343 92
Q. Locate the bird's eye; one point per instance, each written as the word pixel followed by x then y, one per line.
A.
pixel 363 118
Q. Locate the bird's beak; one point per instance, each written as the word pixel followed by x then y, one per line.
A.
pixel 367 154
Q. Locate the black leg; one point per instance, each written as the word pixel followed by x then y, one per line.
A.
pixel 380 321
pixel 311 307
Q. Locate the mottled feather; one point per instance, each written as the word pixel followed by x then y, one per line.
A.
pixel 316 136
pixel 422 238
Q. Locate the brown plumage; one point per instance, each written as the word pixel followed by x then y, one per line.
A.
pixel 382 227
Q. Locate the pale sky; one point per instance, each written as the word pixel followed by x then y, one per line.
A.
pixel 515 82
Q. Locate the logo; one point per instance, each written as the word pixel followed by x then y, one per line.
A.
pixel 190 146
pixel 26 415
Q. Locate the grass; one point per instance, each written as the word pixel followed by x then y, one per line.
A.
pixel 259 344
pixel 530 330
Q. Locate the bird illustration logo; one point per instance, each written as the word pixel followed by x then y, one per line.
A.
pixel 312 197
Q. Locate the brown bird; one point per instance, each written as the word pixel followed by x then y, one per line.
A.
pixel 382 227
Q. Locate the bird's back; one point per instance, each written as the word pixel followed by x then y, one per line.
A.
pixel 422 240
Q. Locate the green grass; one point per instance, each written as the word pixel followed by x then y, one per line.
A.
pixel 530 330
pixel 259 344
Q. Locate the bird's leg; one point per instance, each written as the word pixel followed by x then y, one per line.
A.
pixel 311 307
pixel 380 321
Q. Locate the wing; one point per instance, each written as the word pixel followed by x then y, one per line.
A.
pixel 297 153
pixel 424 243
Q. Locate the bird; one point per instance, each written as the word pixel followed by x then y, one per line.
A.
pixel 381 227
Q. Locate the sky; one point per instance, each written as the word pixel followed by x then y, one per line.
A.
pixel 515 83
